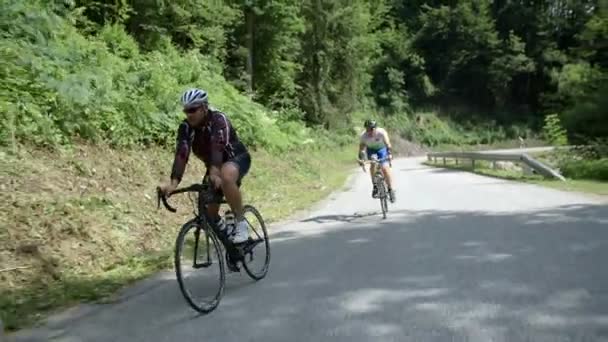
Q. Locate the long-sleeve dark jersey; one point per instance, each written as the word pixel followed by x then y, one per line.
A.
pixel 214 142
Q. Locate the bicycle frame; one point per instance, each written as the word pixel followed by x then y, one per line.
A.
pixel 378 181
pixel 378 175
pixel 205 197
pixel 233 252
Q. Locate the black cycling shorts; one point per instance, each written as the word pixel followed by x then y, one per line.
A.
pixel 242 162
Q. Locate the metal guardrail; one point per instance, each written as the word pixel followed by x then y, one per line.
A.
pixel 494 157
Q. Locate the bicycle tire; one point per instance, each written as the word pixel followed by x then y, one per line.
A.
pixel 382 193
pixel 193 224
pixel 260 275
pixel 383 203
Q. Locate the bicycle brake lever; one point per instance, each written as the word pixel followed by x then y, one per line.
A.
pixel 162 197
pixel 170 208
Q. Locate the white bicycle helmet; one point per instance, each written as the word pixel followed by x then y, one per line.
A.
pixel 194 97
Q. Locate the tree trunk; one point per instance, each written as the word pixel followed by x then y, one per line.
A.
pixel 249 17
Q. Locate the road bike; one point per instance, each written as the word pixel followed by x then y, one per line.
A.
pixel 209 240
pixel 379 181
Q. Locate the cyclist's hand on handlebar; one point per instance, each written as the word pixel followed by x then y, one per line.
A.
pixel 167 189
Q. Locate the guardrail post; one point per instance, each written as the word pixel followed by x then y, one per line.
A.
pixel 473 164
pixel 443 160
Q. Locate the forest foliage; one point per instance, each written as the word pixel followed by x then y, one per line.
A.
pixel 292 69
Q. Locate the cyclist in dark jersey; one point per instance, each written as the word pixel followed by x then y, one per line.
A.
pixel 209 134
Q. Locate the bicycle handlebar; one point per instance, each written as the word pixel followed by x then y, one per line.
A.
pixel 376 161
pixel 160 196
pixel 192 188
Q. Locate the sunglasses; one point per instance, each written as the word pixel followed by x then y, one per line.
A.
pixel 191 110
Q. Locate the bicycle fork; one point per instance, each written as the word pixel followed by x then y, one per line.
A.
pixel 195 264
pixel 234 252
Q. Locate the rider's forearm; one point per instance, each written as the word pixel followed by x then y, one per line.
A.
pixel 389 146
pixel 361 151
pixel 174 182
pixel 179 165
pixel 182 153
pixel 361 155
pixel 387 141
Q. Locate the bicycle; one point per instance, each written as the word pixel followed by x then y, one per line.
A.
pixel 379 181
pixel 233 252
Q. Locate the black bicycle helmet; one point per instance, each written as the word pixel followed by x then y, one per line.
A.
pixel 370 123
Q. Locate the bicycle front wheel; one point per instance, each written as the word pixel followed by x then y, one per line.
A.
pixel 199 267
pixel 382 194
pixel 256 251
pixel 384 205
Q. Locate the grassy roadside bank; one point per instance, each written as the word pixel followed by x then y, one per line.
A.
pixel 485 168
pixel 82 223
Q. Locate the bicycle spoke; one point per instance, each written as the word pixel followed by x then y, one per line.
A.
pixel 212 248
pixel 255 231
pixel 256 272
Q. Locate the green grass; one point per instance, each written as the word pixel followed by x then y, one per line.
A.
pixel 578 185
pixel 83 222
pixel 484 168
pixel 79 218
pixel 102 88
pixel 28 304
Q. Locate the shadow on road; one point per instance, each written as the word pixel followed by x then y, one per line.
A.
pixel 411 169
pixel 341 218
pixel 432 276
pixel 445 170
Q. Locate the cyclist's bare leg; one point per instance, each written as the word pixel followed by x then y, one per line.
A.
pixel 372 171
pixel 230 175
pixel 386 171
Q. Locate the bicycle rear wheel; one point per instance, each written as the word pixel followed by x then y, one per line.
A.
pixel 198 250
pixel 256 258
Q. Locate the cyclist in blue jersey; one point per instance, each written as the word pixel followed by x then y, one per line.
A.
pixel 375 140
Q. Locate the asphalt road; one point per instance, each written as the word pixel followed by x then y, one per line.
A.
pixel 460 257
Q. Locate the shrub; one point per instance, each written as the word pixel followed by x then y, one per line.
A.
pixel 585 169
pixel 553 130
pixel 58 85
